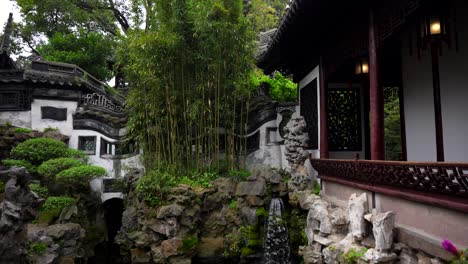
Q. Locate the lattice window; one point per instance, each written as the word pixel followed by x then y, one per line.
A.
pixel 344 119
pixel 309 112
pixel 14 100
pixel 87 144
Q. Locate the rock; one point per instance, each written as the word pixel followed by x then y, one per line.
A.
pixel 210 247
pixel 407 256
pixel 171 247
pixel 129 218
pixel 254 201
pixel 323 240
pixel 423 258
pixel 296 139
pixel 250 215
pixel 311 254
pixel 338 217
pixel 170 210
pixel 373 257
pixel 168 227
pixel 67 260
pixel 318 219
pixel 300 181
pixel 67 213
pixel 56 135
pixel 382 227
pixel 357 208
pixel 369 242
pixel 140 256
pixel 180 260
pixel 257 188
pixel 65 231
pixel 225 185
pixel 437 261
pixel 306 200
pixel 156 252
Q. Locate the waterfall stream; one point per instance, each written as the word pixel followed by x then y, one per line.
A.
pixel 276 242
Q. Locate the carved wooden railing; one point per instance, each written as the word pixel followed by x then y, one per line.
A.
pixel 425 181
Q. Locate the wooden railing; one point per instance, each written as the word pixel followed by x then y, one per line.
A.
pixel 440 183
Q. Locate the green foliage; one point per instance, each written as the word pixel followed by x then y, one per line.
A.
pixel 317 187
pixel 233 205
pixel 352 255
pixel 239 175
pixel 189 70
pixel 246 251
pixel 47 129
pixel 281 88
pixel 53 203
pixel 39 190
pixel 51 168
pixel 2 187
pixel 69 47
pixel 392 128
pixel 189 243
pixel 79 175
pixel 155 185
pixel 38 150
pixel 198 179
pixel 77 154
pixel 20 163
pixel 261 212
pixel 37 248
pixel 23 130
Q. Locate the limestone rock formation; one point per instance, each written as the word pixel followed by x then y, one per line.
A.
pixel 357 208
pixel 18 207
pixel 382 227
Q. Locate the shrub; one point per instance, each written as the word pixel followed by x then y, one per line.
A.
pixel 317 187
pixel 20 163
pixel 38 248
pixel 57 203
pixel 189 243
pixel 352 255
pixel 39 190
pixel 53 167
pixel 233 205
pixel 2 187
pixel 154 186
pixel 38 150
pixel 47 129
pixel 77 154
pixel 22 130
pixel 79 175
pixel 239 175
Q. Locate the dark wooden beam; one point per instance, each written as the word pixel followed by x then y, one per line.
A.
pixel 376 94
pixel 437 105
pixel 324 153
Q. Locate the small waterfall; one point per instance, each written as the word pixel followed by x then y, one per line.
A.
pixel 276 242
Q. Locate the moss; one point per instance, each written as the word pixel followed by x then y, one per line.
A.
pixel 233 205
pixel 189 243
pixel 2 187
pixel 37 248
pixel 317 187
pixel 246 251
pixel 261 212
pixel 352 255
pixel 21 130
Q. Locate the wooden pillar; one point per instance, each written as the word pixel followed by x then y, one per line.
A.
pixel 437 105
pixel 324 153
pixel 375 94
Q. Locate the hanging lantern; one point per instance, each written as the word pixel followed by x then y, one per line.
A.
pixel 362 67
pixel 434 26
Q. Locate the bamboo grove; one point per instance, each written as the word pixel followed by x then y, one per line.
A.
pixel 189 70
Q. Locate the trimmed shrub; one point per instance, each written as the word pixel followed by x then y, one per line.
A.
pixel 77 154
pixel 57 203
pixel 79 175
pixel 20 163
pixel 38 150
pixel 22 130
pixel 39 190
pixel 53 167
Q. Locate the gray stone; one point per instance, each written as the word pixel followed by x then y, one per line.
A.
pixel 318 219
pixel 210 247
pixel 339 217
pixel 170 210
pixel 382 227
pixel 140 256
pixel 375 257
pixel 67 213
pixel 168 227
pixel 423 258
pixel 250 215
pixel 311 254
pixel 407 256
pixel 171 247
pixel 307 200
pixel 257 188
pixel 357 208
pixel 323 240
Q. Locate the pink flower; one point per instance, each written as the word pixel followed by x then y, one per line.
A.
pixel 447 245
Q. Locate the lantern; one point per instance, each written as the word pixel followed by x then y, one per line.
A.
pixel 362 67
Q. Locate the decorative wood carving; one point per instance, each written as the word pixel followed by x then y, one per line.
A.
pixel 344 119
pixel 434 177
pixel 101 101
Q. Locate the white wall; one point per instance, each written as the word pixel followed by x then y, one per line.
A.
pixel 37 123
pixel 107 163
pixel 18 118
pixel 418 97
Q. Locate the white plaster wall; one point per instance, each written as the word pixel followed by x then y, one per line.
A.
pixel 108 164
pixel 65 127
pixel 17 118
pixel 418 97
pixel 270 155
